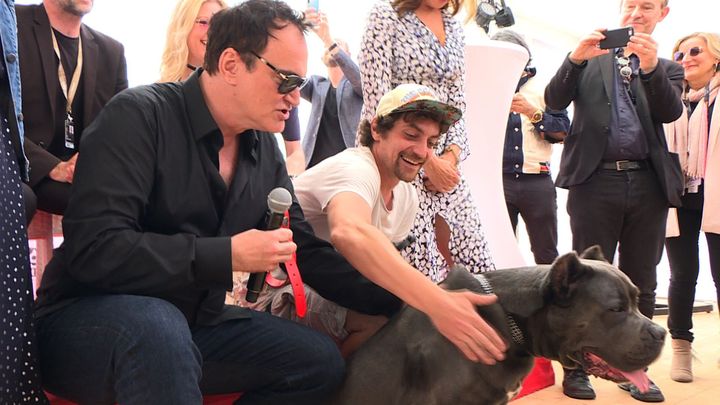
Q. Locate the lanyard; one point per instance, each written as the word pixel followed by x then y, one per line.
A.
pixel 62 77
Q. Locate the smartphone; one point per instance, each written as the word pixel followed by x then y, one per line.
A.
pixel 314 4
pixel 616 38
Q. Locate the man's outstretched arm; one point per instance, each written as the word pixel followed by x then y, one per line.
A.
pixel 373 254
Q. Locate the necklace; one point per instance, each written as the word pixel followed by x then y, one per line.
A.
pixel 626 71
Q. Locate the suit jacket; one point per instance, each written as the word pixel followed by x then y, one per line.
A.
pixel 349 103
pixel 590 88
pixel 104 75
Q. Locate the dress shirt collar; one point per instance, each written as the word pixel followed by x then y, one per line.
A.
pixel 202 122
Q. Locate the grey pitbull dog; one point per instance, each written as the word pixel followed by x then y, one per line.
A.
pixel 580 311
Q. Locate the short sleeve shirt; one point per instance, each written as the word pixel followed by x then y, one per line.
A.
pixel 354 170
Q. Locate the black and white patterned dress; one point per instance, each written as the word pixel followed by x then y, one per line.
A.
pixel 19 373
pixel 19 376
pixel 401 49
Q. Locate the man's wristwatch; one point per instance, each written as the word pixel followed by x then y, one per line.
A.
pixel 536 117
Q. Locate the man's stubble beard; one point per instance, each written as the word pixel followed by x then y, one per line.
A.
pixel 70 7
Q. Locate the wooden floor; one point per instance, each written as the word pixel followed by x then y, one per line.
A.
pixel 705 390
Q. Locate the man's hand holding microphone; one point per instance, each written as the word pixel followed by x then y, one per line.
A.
pixel 260 251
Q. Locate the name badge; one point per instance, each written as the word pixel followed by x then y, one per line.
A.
pixel 69 132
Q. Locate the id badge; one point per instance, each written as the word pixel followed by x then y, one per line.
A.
pixel 69 132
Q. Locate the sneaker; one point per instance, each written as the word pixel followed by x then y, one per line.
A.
pixel 577 385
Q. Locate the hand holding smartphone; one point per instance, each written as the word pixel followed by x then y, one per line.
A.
pixel 616 38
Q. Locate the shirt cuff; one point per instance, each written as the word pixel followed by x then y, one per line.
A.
pixel 213 263
pixel 334 49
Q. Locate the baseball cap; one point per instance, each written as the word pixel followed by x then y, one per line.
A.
pixel 415 97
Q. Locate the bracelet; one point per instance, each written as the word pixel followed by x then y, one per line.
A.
pixel 454 152
pixel 333 46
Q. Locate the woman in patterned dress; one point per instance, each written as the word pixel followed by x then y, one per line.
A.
pixel 420 41
pixel 19 372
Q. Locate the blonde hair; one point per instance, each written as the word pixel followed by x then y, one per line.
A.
pixel 470 9
pixel 712 40
pixel 175 55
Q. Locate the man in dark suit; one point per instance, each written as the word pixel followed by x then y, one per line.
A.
pixel 62 59
pixel 615 163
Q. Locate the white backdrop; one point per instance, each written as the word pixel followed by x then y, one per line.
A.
pixel 490 88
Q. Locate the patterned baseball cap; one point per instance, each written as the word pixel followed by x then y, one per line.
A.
pixel 415 97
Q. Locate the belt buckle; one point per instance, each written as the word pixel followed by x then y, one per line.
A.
pixel 620 165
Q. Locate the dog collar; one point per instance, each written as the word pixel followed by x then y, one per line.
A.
pixel 515 333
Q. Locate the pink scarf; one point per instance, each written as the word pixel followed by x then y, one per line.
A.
pixel 688 137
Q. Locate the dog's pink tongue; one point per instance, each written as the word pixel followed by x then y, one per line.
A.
pixel 639 379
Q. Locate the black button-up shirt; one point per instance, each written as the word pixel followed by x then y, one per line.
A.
pixel 626 139
pixel 150 215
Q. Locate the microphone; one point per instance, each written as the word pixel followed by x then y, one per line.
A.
pixel 279 200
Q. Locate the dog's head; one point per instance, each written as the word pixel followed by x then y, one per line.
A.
pixel 591 309
pixel 580 311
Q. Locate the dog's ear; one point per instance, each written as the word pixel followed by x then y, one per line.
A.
pixel 594 253
pixel 564 275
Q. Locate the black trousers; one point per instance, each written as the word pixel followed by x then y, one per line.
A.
pixel 533 197
pixel 625 210
pixel 30 203
pixel 52 196
pixel 684 257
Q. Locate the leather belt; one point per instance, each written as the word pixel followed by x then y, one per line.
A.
pixel 624 165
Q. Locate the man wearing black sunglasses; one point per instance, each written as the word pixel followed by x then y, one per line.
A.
pixel 288 81
pixel 615 163
pixel 170 200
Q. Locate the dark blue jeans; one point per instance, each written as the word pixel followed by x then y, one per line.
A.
pixel 140 350
pixel 628 211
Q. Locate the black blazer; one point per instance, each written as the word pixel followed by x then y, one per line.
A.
pixel 590 88
pixel 104 75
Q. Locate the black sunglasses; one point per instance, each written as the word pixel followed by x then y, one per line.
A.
pixel 288 82
pixel 694 51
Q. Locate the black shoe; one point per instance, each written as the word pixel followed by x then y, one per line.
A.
pixel 577 385
pixel 652 395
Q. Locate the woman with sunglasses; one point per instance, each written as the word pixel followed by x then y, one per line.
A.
pixel 420 41
pixel 695 137
pixel 185 51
